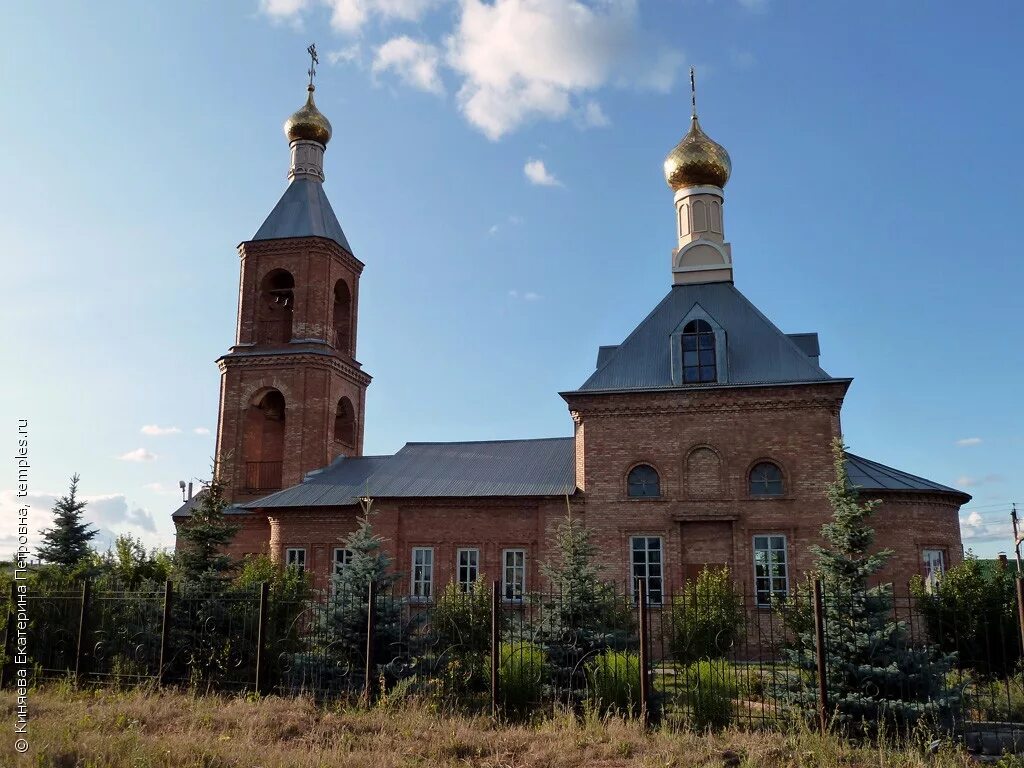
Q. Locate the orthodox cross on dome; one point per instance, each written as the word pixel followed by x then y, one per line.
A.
pixel 313 61
pixel 693 94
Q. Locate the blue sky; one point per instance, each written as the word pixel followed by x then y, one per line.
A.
pixel 875 199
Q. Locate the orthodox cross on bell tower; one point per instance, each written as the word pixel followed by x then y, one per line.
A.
pixel 313 61
pixel 693 94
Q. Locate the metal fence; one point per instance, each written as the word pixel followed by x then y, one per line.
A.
pixel 691 659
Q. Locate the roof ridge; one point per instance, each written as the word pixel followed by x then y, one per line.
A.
pixel 480 442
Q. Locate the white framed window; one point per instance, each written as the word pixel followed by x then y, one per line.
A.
pixel 295 557
pixel 933 562
pixel 342 559
pixel 646 563
pixel 468 568
pixel 513 574
pixel 422 573
pixel 771 568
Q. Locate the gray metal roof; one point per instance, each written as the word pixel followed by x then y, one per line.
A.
pixel 758 352
pixel 871 476
pixel 544 467
pixel 303 211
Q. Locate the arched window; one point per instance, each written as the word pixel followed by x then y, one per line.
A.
pixel 643 482
pixel 766 480
pixel 277 303
pixel 699 353
pixel 345 423
pixel 264 441
pixel 342 318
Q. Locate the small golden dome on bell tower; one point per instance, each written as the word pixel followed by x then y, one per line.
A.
pixel 697 160
pixel 308 123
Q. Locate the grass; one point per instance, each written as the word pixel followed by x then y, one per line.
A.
pixel 103 728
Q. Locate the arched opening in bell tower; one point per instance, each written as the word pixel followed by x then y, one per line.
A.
pixel 342 318
pixel 276 307
pixel 264 441
pixel 345 423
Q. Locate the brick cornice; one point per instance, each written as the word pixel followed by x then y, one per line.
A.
pixel 290 361
pixel 294 245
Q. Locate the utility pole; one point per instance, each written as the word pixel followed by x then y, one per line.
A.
pixel 1016 538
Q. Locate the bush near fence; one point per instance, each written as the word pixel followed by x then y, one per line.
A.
pixel 287 641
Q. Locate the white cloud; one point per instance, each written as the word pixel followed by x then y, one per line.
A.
pixel 538 174
pixel 201 431
pixel 975 529
pixel 157 431
pixel 163 490
pixel 966 481
pixel 522 60
pixel 416 63
pixel 283 10
pixel 139 454
pixel 969 441
pixel 349 16
pixel 345 55
pixel 524 295
pixel 593 116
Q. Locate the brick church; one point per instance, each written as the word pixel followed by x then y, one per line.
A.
pixel 701 438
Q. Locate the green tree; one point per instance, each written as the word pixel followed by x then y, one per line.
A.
pixel 973 611
pixel 67 543
pixel 877 679
pixel 706 618
pixel 581 614
pixel 202 561
pixel 459 640
pixel 130 565
pixel 340 659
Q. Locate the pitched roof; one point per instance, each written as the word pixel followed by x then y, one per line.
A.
pixel 871 476
pixel 758 352
pixel 544 467
pixel 303 211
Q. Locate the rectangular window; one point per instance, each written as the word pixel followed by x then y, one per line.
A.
pixel 422 573
pixel 771 569
pixel 646 563
pixel 934 565
pixel 342 558
pixel 468 568
pixel 513 579
pixel 295 557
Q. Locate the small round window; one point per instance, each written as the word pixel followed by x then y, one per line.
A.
pixel 643 482
pixel 766 480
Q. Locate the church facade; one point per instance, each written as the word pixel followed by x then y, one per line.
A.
pixel 703 438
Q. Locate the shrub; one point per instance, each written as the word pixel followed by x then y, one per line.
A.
pixel 521 673
pixel 973 613
pixel 707 618
pixel 710 687
pixel 614 682
pixel 459 638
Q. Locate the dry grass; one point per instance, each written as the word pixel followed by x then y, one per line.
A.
pixel 146 729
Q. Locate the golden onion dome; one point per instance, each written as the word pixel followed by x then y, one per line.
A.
pixel 697 161
pixel 308 123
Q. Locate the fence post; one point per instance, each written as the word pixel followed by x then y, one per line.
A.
pixel 165 632
pixel 495 647
pixel 819 650
pixel 83 621
pixel 261 637
pixel 371 632
pixel 645 681
pixel 5 670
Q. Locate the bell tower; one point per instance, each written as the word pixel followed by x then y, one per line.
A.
pixel 292 394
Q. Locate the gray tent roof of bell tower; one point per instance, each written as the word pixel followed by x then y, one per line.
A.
pixel 303 211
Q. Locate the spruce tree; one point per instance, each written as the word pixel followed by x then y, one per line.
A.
pixel 877 679
pixel 202 560
pixel 67 543
pixel 581 613
pixel 345 619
